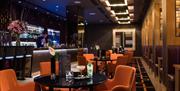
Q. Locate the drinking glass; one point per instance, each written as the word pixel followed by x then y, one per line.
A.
pixel 81 68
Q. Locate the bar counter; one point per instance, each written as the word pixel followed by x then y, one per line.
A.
pixel 42 54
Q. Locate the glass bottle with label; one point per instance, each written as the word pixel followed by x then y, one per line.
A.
pixel 90 69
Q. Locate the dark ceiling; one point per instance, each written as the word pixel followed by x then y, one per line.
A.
pixel 94 10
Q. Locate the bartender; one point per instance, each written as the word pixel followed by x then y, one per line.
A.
pixel 42 40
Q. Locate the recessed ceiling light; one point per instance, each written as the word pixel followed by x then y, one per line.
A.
pixel 131 19
pixel 47 12
pixel 43 0
pixel 101 21
pixel 128 22
pixel 108 8
pixel 92 13
pixel 112 11
pixel 19 1
pixel 131 14
pixel 131 7
pixel 57 6
pixel 77 2
pixel 35 8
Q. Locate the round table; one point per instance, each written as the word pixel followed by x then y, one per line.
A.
pixel 102 60
pixel 61 82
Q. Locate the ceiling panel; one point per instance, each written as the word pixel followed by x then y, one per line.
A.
pixel 116 1
pixel 119 9
pixel 100 13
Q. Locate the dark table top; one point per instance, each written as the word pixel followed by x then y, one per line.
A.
pixel 61 82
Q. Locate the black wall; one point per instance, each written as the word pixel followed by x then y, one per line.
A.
pixel 101 34
pixel 138 51
pixel 98 34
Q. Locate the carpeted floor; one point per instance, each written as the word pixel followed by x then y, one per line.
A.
pixel 143 82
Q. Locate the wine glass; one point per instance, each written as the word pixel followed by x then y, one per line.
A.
pixel 81 68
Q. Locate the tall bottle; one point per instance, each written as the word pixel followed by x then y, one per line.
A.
pixel 90 69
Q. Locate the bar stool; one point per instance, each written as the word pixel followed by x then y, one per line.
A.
pixel 9 52
pixel 1 56
pixel 20 61
pixel 29 56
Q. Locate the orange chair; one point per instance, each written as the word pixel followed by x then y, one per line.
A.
pixel 114 57
pixel 82 61
pixel 124 80
pixel 89 57
pixel 8 82
pixel 121 60
pixel 45 69
pixel 130 54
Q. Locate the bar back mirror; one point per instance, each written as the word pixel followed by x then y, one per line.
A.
pixel 177 31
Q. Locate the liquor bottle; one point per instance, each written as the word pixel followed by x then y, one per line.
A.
pixel 90 70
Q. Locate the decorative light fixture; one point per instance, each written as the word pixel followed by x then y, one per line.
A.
pixel 120 9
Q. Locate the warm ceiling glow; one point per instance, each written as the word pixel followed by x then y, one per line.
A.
pixel 114 5
pixel 131 14
pixel 128 18
pixel 128 22
pixel 131 7
pixel 122 13
pixel 92 13
pixel 112 11
pixel 114 14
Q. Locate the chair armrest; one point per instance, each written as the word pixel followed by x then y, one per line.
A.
pixel 30 86
pixel 104 86
pixel 120 88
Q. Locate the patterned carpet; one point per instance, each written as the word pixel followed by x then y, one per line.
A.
pixel 143 82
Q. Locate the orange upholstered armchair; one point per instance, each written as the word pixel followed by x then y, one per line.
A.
pixel 89 57
pixel 45 69
pixel 121 60
pixel 130 54
pixel 82 61
pixel 124 80
pixel 8 82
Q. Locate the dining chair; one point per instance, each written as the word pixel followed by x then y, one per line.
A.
pixel 121 60
pixel 89 57
pixel 124 80
pixel 130 54
pixel 82 61
pixel 8 82
pixel 45 69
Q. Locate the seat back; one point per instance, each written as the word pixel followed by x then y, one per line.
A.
pixel 122 60
pixel 133 80
pixel 130 54
pixel 8 80
pixel 45 68
pixel 81 60
pixel 88 56
pixel 114 56
pixel 123 75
